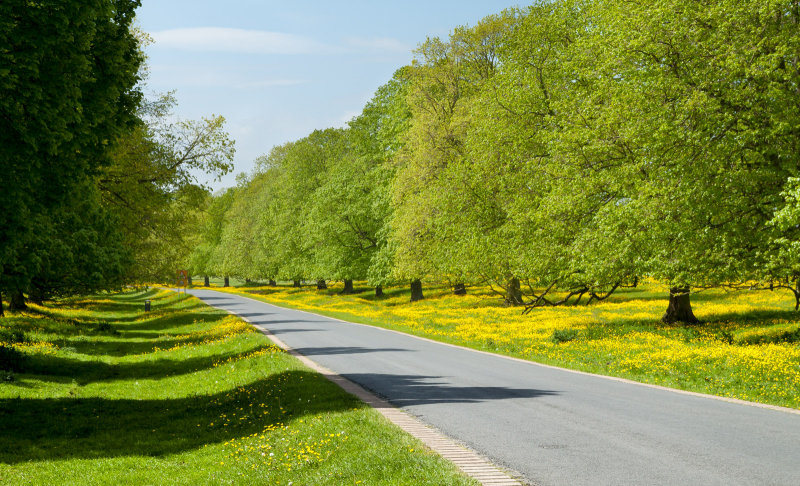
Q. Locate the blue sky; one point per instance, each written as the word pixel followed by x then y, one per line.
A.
pixel 277 70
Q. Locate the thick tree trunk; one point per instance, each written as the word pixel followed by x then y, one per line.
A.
pixel 226 282
pixel 272 283
pixel 460 289
pixel 189 280
pixel 247 281
pixel 379 291
pixel 416 290
pixel 348 287
pixel 296 284
pixel 206 282
pixel 36 295
pixel 514 292
pixel 680 307
pixel 321 285
pixel 17 301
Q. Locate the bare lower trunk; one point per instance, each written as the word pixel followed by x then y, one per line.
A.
pixel 321 285
pixel 206 282
pixel 247 282
pixel 17 301
pixel 226 282
pixel 796 295
pixel 36 295
pixel 460 289
pixel 296 284
pixel 378 291
pixel 514 292
pixel 348 287
pixel 189 280
pixel 416 290
pixel 680 307
pixel 272 283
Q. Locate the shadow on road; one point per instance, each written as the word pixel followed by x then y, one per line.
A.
pixel 344 350
pixel 407 390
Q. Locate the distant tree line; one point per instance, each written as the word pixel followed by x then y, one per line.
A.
pixel 568 148
pixel 96 178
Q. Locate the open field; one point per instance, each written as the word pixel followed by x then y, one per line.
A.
pixel 104 393
pixel 748 346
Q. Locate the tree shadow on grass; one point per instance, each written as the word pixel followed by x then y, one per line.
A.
pixel 89 428
pixel 172 320
pixel 57 369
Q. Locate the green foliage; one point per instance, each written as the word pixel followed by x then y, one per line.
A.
pixel 151 186
pixel 570 147
pixel 564 335
pixel 67 92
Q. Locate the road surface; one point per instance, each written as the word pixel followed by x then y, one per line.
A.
pixel 553 426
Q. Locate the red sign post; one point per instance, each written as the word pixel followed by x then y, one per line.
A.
pixel 183 279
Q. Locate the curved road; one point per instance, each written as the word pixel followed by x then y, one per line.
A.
pixel 553 426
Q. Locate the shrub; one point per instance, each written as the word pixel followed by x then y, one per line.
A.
pixel 564 335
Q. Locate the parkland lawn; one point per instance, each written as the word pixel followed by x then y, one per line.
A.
pixel 100 392
pixel 747 347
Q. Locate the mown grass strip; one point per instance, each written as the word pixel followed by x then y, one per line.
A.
pixel 104 393
pixel 747 348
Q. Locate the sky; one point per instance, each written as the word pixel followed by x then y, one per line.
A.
pixel 278 70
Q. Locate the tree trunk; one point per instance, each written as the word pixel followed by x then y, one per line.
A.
pixel 296 284
pixel 348 287
pixel 206 282
pixel 460 289
pixel 247 282
pixel 36 295
pixel 226 282
pixel 272 283
pixel 2 312
pixel 680 307
pixel 416 290
pixel 379 291
pixel 189 280
pixel 17 301
pixel 321 285
pixel 514 292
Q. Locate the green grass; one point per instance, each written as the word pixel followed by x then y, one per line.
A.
pixel 747 347
pixel 107 394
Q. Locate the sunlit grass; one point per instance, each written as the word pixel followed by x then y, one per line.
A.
pixel 746 348
pixel 185 394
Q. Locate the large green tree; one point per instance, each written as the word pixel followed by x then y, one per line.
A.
pixel 68 73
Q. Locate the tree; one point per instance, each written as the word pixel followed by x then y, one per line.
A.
pixel 67 93
pixel 691 107
pixel 151 185
pixel 438 209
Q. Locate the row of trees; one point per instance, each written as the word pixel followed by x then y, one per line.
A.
pixel 565 149
pixel 96 179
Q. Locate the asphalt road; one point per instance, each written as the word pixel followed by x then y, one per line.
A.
pixel 553 426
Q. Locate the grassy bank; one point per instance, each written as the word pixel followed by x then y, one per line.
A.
pixel 101 392
pixel 748 346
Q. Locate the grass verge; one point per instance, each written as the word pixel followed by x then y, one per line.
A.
pixel 96 391
pixel 748 346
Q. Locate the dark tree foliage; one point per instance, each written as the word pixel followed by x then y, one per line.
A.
pixel 68 72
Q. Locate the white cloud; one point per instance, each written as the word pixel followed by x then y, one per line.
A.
pixel 221 39
pixel 240 77
pixel 377 44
